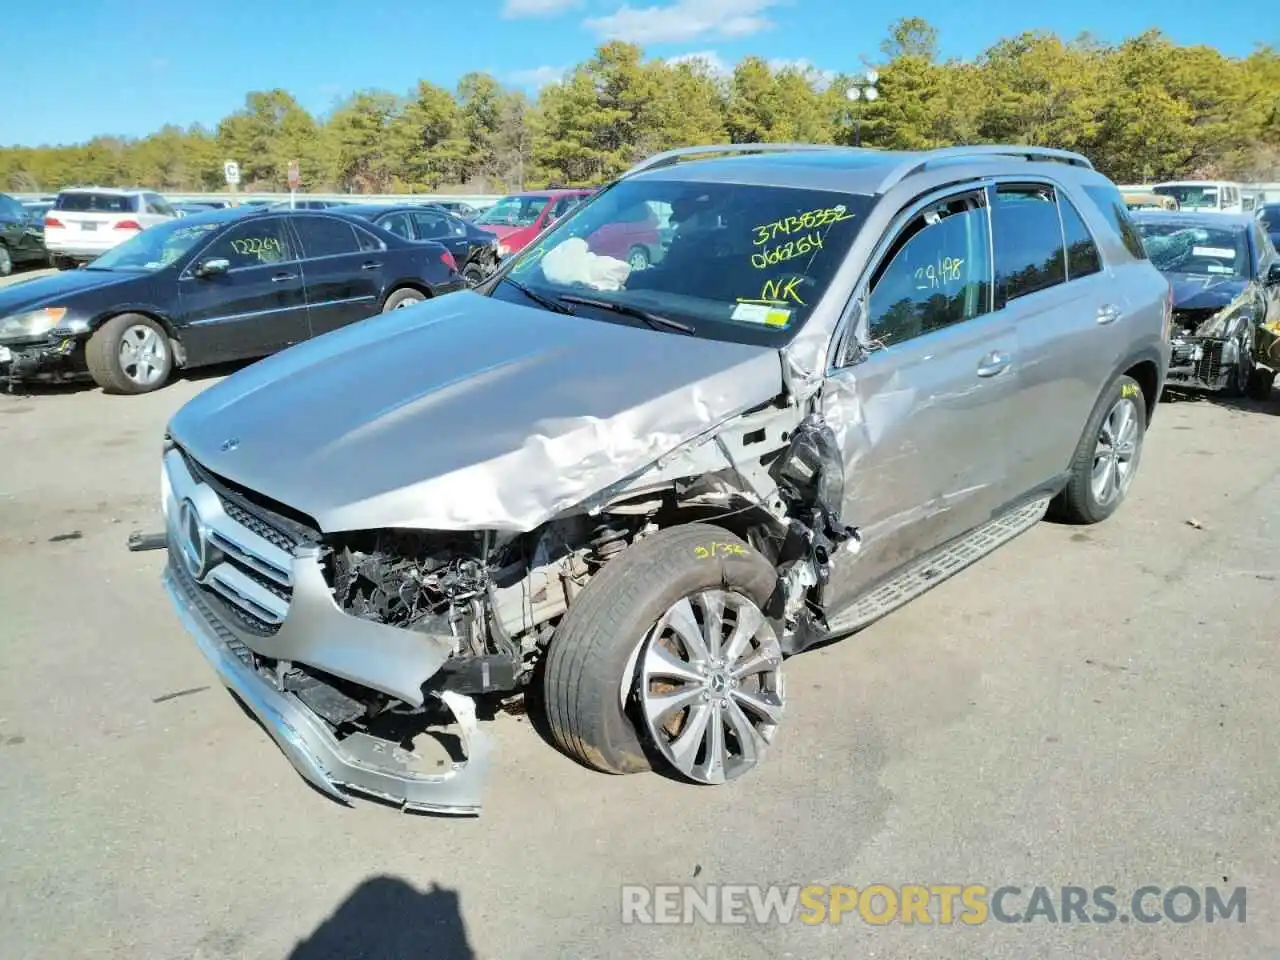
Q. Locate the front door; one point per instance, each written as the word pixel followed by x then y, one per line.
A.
pixel 255 307
pixel 343 269
pixel 923 417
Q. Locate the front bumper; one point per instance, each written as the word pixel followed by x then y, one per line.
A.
pixel 255 601
pixel 51 358
pixel 1205 363
pixel 338 768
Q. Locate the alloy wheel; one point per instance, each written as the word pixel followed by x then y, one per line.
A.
pixel 710 685
pixel 1115 457
pixel 142 355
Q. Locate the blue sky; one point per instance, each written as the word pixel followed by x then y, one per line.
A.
pixel 70 69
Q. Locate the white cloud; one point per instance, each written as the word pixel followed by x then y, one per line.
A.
pixel 514 9
pixel 684 20
pixel 537 77
pixel 707 58
pixel 821 78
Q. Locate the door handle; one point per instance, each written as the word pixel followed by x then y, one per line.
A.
pixel 993 363
pixel 1108 313
pixel 370 265
pixel 280 277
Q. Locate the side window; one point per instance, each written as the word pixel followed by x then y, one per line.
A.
pixel 935 275
pixel 252 244
pixel 1112 206
pixel 1082 253
pixel 431 226
pixel 397 223
pixel 322 237
pixel 1027 237
pixel 368 242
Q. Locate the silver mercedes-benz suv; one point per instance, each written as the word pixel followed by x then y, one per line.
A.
pixel 631 492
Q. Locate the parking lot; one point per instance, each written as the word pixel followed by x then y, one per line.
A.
pixel 1089 706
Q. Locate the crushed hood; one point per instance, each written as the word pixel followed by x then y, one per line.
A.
pixel 1196 292
pixel 466 412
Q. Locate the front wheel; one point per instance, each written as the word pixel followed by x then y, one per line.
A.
pixel 1242 370
pixel 638 258
pixel 129 354
pixel 1107 456
pixel 6 261
pixel 667 655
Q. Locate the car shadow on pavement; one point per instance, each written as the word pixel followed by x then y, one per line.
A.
pixel 1268 407
pixel 386 918
pixel 82 384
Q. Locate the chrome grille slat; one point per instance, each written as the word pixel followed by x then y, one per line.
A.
pixel 249 575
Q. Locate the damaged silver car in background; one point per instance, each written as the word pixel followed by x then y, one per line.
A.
pixel 1224 275
pixel 631 492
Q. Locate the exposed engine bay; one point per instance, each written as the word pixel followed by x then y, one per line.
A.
pixel 499 598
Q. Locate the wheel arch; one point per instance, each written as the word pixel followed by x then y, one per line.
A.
pixel 170 329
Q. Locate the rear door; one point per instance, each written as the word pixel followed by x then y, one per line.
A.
pixel 923 418
pixel 1050 283
pixel 253 309
pixel 343 268
pixel 444 229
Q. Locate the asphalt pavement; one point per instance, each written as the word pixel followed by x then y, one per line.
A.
pixel 1088 707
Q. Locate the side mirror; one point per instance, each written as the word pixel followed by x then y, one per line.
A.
pixel 212 268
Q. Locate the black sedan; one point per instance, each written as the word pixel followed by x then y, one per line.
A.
pixel 21 236
pixel 1225 279
pixel 218 286
pixel 475 250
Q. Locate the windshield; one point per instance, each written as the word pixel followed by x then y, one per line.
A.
pixel 1191 197
pixel 155 248
pixel 1185 248
pixel 514 212
pixel 731 261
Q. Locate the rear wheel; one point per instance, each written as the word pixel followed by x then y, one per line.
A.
pixel 667 655
pixel 402 298
pixel 129 354
pixel 6 261
pixel 1107 456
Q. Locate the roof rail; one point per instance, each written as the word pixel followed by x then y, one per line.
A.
pixel 1030 154
pixel 672 157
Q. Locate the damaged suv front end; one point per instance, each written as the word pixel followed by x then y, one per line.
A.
pixel 1219 300
pixel 374 536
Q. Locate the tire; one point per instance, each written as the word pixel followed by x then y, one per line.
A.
pixel 1242 370
pixel 586 667
pixel 6 261
pixel 1079 502
pixel 404 297
pixel 473 274
pixel 638 258
pixel 131 334
pixel 1260 383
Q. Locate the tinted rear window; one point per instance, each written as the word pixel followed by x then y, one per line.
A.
pixel 97 202
pixel 1113 207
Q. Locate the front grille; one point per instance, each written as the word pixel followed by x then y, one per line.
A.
pixel 1209 367
pixel 247 579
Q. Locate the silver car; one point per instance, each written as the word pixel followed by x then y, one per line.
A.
pixel 630 493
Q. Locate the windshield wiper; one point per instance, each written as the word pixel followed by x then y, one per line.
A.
pixel 555 306
pixel 655 320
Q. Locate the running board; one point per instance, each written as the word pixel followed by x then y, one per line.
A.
pixel 929 571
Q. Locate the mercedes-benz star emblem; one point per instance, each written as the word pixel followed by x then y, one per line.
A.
pixel 229 445
pixel 193 541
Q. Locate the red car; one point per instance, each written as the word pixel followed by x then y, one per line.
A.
pixel 517 219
